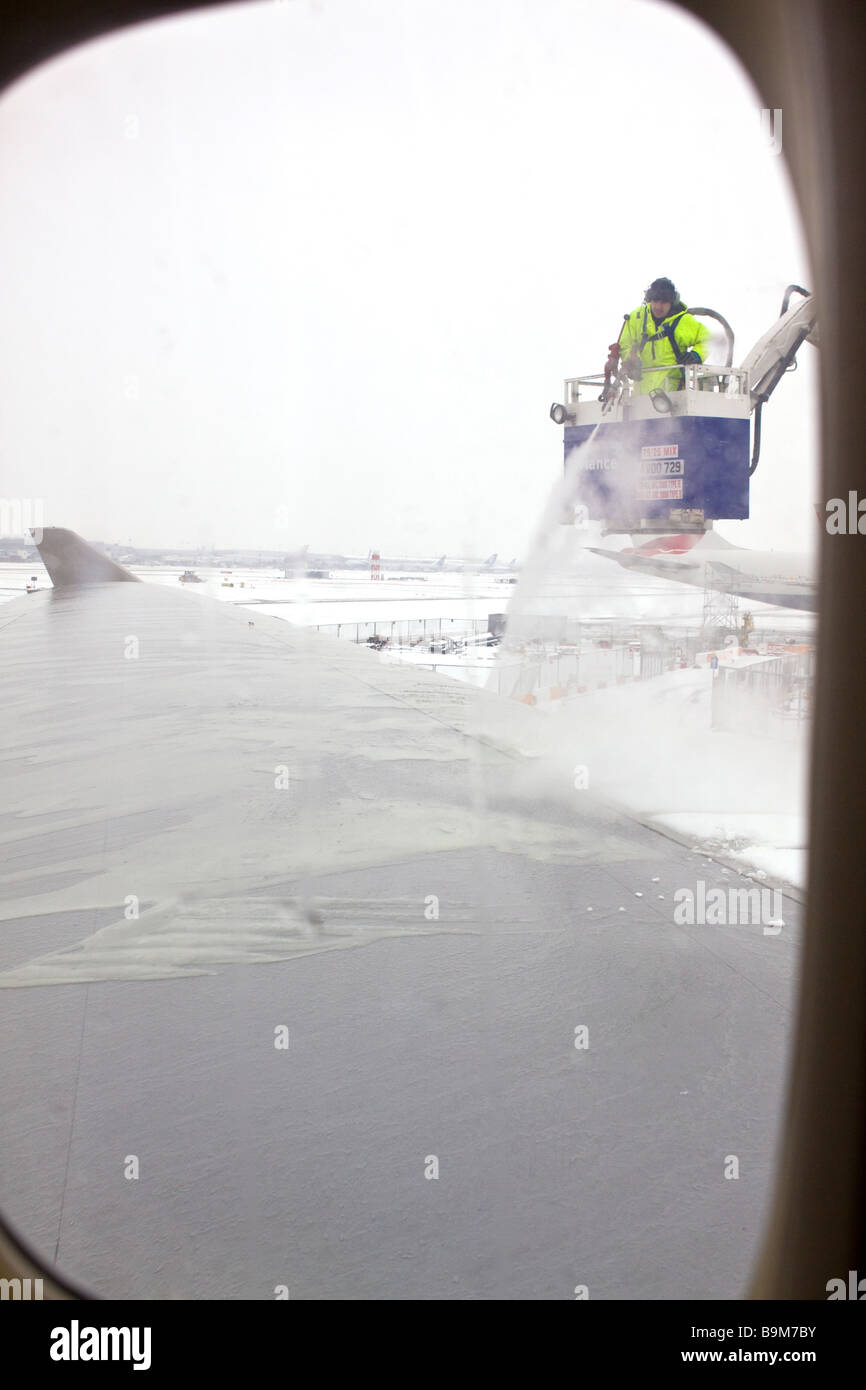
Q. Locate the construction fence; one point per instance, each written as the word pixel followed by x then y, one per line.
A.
pixel 772 699
pixel 536 674
pixel 406 630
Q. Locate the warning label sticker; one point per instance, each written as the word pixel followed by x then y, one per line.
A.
pixel 660 489
pixel 659 451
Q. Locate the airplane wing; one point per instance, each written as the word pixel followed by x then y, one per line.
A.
pixel 700 567
pixel 295 931
pixel 801 594
pixel 660 565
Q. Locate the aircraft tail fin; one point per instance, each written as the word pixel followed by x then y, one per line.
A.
pixel 713 541
pixel 70 560
pixel 681 544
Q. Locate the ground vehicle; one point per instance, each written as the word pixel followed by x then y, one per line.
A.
pixel 677 461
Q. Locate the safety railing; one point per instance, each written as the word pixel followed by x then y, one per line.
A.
pixel 699 376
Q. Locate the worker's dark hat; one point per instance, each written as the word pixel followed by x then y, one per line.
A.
pixel 662 289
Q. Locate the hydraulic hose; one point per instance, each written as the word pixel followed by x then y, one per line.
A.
pixel 756 451
pixel 729 332
pixel 792 289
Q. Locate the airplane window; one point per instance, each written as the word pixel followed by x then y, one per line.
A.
pixel 402 881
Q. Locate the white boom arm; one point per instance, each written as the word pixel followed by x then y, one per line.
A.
pixel 773 354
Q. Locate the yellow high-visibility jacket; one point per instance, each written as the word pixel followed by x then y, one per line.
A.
pixel 655 348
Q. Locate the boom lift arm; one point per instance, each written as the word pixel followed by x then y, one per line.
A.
pixel 775 353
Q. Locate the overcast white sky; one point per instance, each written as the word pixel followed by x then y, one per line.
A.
pixel 297 273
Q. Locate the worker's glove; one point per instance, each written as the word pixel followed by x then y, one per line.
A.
pixel 633 368
pixel 692 357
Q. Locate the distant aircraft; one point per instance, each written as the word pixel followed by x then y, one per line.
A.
pixel 766 576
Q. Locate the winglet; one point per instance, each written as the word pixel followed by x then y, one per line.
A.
pixel 70 560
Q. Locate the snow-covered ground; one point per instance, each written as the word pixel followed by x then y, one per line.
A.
pixel 649 747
